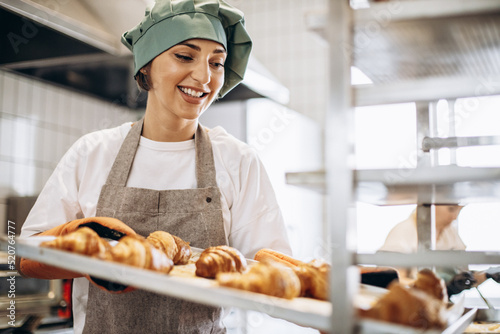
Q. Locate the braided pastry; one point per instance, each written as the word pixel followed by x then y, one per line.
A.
pixel 267 277
pixel 220 259
pixel 138 252
pixel 81 241
pixel 174 247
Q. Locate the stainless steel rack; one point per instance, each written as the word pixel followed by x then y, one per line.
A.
pixel 413 51
pixel 182 283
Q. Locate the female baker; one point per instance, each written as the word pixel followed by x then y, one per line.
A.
pixel 166 171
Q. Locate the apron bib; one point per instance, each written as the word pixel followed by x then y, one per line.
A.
pixel 195 215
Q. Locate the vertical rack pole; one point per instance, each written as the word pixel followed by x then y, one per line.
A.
pixel 425 221
pixel 423 130
pixel 433 131
pixel 452 129
pixel 339 175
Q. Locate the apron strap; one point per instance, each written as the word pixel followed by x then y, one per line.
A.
pixel 118 174
pixel 205 166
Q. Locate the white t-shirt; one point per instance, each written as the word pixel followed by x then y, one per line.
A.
pixel 252 218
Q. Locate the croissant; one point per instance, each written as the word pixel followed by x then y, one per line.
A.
pixel 138 252
pixel 428 282
pixel 183 251
pixel 313 278
pixel 408 306
pixel 163 241
pixel 267 277
pixel 174 247
pixel 220 259
pixel 83 241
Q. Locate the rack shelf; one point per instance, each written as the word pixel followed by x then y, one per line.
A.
pixel 428 258
pixel 426 185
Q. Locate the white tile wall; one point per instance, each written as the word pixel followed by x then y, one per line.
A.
pixel 294 55
pixel 38 123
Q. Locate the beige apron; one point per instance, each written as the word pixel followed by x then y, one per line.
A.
pixel 194 215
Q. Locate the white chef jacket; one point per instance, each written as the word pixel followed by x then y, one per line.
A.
pixel 403 238
pixel 252 217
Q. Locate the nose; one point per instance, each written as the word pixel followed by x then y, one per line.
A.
pixel 201 72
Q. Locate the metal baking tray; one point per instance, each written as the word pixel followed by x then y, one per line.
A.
pixel 182 283
pixel 379 327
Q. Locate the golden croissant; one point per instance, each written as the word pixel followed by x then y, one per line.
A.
pixel 83 241
pixel 267 277
pixel 408 306
pixel 220 259
pixel 138 252
pixel 430 283
pixel 174 247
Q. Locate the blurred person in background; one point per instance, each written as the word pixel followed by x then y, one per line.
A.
pixel 403 238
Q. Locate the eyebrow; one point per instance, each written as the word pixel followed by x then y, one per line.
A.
pixel 197 48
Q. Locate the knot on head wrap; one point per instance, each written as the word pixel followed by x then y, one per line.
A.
pixel 171 22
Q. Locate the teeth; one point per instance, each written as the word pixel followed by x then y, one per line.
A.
pixel 191 92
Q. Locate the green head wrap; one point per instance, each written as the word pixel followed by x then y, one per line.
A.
pixel 171 22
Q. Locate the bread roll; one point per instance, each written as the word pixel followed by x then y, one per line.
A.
pixel 273 255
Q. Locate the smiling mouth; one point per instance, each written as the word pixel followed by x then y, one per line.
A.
pixel 192 93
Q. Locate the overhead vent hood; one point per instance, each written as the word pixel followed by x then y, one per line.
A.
pixel 76 44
